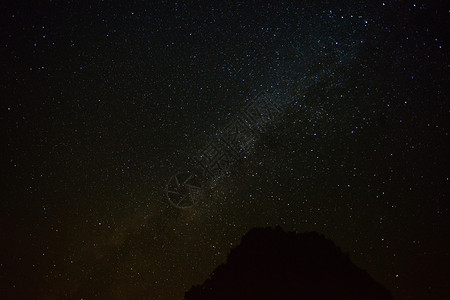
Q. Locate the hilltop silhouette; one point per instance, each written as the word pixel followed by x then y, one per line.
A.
pixel 273 264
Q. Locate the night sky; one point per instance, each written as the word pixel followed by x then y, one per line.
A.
pixel 102 103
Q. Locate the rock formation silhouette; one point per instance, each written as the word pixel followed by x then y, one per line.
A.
pixel 273 264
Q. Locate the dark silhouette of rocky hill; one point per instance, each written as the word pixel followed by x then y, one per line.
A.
pixel 273 264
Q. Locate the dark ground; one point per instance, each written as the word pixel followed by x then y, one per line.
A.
pixel 273 264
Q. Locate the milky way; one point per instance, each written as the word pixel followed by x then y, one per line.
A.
pixel 346 113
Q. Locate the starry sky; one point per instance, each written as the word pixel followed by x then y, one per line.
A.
pixel 101 103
